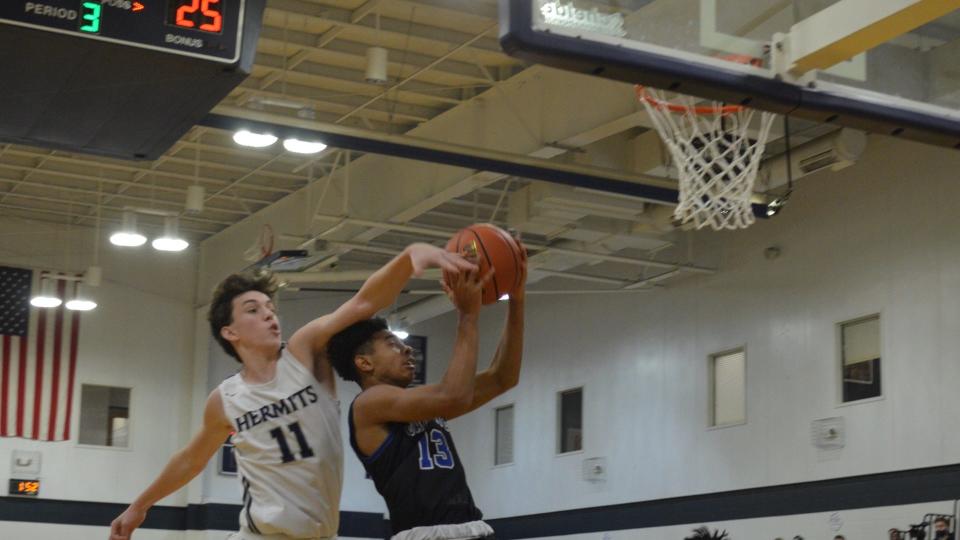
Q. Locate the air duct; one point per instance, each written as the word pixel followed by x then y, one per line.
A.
pixel 836 151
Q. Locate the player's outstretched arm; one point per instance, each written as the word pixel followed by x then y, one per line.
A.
pixel 182 467
pixel 384 403
pixel 378 292
pixel 504 371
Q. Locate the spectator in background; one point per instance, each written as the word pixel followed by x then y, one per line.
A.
pixel 941 529
pixel 895 534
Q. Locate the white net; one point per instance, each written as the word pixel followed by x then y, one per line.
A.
pixel 717 158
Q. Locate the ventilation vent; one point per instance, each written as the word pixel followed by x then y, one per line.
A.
pixel 818 161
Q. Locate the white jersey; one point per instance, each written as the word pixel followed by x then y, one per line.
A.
pixel 289 453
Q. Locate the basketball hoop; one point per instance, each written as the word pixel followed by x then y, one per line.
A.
pixel 716 153
pixel 262 247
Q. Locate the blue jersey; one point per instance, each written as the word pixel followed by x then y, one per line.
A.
pixel 419 474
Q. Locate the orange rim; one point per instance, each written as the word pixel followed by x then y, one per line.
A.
pixel 674 108
pixel 704 110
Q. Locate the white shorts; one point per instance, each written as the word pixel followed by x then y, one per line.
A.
pixel 454 531
pixel 247 535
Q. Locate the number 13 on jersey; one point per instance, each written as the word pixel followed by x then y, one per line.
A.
pixel 434 451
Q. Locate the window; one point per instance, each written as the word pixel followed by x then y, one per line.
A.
pixel 728 388
pixel 571 421
pixel 504 436
pixel 860 358
pixel 104 416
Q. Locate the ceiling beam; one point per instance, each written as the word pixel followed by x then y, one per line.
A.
pixel 30 211
pixel 486 9
pixel 300 95
pixel 391 29
pixel 307 97
pixel 366 9
pixel 336 78
pixel 643 186
pixel 351 54
pixel 97 167
pixel 428 67
pixel 850 27
pixel 278 42
pixel 119 209
pixel 146 200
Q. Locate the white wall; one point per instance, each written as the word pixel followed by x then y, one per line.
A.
pixel 881 236
pixel 140 337
pixel 866 524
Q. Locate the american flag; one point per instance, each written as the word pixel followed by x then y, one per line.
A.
pixel 39 355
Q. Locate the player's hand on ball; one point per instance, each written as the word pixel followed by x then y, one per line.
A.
pixel 465 289
pixel 423 256
pixel 521 291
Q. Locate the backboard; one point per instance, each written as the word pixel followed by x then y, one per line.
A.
pixel 884 66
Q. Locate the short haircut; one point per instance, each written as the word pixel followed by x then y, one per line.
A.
pixel 704 533
pixel 221 303
pixel 355 339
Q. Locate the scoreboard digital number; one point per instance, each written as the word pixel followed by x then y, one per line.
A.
pixel 208 29
pixel 204 15
pixel 24 488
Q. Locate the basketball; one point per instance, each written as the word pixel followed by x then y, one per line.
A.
pixel 491 247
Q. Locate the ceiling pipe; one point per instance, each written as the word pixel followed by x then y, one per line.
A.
pixel 645 187
pixel 444 234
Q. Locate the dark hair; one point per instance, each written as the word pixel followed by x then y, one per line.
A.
pixel 942 519
pixel 221 303
pixel 344 346
pixel 703 533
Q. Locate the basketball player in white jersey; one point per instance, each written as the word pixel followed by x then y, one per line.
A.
pixel 281 407
pixel 400 434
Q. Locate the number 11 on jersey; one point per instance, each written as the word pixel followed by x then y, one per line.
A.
pixel 305 450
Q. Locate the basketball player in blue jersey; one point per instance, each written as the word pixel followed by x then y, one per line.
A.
pixel 400 433
pixel 281 407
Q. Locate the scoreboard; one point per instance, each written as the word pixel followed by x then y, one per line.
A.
pixel 24 488
pixel 119 78
pixel 209 29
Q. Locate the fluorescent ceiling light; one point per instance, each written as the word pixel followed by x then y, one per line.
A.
pixel 125 239
pixel 128 236
pixel 170 244
pixel 45 301
pixel 303 147
pixel 78 304
pixel 255 140
pixel 170 241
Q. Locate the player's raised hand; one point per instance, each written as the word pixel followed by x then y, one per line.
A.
pixel 521 291
pixel 424 256
pixel 465 289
